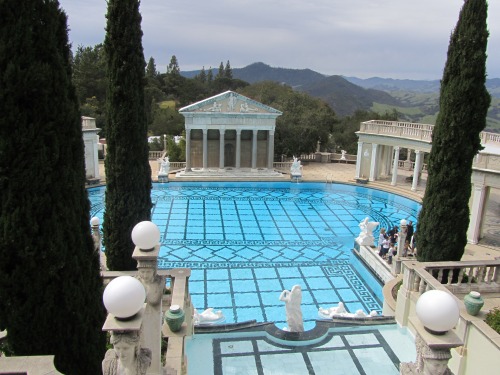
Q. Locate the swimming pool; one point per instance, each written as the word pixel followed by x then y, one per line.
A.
pixel 246 242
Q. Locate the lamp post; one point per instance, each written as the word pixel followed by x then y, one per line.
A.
pixel 124 299
pixel 438 313
pixel 164 142
pixel 146 237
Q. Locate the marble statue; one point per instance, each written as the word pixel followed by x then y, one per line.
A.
pixel 292 300
pixel 127 357
pixel 365 237
pixel 215 107
pixel 244 108
pixel 164 166
pixel 231 103
pixel 340 310
pixel 209 316
pixel 331 311
pixel 344 153
pixel 296 168
pixel 152 282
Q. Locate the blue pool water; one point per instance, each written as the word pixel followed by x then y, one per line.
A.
pixel 246 242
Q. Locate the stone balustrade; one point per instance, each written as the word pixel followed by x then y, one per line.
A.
pixel 481 344
pixel 457 277
pixel 154 155
pixel 408 130
pixel 283 166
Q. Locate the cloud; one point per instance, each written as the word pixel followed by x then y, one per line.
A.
pixel 390 38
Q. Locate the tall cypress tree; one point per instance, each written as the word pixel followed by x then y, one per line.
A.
pixel 128 174
pixel 50 287
pixel 464 102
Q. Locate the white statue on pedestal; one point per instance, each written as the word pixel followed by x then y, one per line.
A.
pixel 209 316
pixel 340 310
pixel 164 166
pixel 344 153
pixel 292 300
pixel 365 237
pixel 296 168
pixel 127 357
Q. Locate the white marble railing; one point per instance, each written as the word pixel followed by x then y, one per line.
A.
pixel 458 277
pixel 408 130
pixel 283 166
pixel 153 155
pixel 415 131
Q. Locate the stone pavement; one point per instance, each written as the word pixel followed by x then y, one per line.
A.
pixel 345 173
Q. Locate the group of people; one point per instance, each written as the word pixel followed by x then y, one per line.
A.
pixel 388 242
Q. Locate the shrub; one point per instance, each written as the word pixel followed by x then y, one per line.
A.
pixel 493 319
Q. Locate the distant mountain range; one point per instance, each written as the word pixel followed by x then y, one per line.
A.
pixel 415 100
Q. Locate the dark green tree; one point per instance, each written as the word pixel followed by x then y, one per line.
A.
pixel 220 72
pixel 89 78
pixel 210 77
pixel 128 174
pixel 228 72
pixel 173 81
pixel 464 102
pixel 50 287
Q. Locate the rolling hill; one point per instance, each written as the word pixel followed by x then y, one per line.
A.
pixel 415 100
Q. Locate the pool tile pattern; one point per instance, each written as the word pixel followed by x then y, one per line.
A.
pixel 344 352
pixel 247 242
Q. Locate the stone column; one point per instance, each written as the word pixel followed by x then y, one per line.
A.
pixel 221 148
pixel 479 195
pixel 270 150
pixel 373 164
pixel 154 285
pixel 408 160
pixel 254 150
pixel 205 149
pixel 238 148
pixel 395 166
pixel 359 159
pixel 188 150
pixel 416 171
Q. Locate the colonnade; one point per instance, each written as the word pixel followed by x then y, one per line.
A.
pixel 375 160
pixel 238 151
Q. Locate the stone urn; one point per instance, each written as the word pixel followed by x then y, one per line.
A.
pixel 473 303
pixel 174 318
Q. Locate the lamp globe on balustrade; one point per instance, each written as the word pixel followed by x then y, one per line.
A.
pixel 146 235
pixel 438 311
pixel 124 297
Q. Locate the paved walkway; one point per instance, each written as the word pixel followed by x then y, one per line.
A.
pixel 489 248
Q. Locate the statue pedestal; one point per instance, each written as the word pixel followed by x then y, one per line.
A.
pixel 162 177
pixel 433 351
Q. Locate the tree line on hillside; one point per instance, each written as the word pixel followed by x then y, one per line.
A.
pixel 305 121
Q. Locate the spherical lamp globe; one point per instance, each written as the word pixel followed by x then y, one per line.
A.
pixel 94 221
pixel 124 297
pixel 146 235
pixel 438 311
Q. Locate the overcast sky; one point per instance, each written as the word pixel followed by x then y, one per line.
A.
pixel 361 38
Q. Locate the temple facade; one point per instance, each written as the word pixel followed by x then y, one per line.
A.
pixel 229 132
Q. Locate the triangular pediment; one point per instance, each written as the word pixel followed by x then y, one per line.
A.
pixel 229 102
